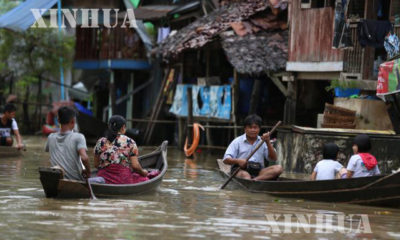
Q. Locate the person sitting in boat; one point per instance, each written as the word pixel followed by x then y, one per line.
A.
pixel 362 163
pixel 241 147
pixel 67 148
pixel 116 154
pixel 8 126
pixel 328 168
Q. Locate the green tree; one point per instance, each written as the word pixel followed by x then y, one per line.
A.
pixel 29 57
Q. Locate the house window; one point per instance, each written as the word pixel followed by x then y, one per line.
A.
pixel 317 3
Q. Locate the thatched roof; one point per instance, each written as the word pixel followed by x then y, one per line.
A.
pixel 256 53
pixel 205 29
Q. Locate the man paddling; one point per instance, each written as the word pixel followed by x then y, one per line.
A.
pixel 68 148
pixel 8 126
pixel 241 147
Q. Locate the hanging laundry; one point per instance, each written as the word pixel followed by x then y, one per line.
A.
pixel 163 33
pixel 341 34
pixel 372 32
pixel 392 45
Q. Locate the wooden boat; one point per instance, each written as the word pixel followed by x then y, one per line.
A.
pixel 383 190
pixel 6 152
pixel 55 186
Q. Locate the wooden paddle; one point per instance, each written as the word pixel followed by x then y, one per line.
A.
pixel 92 196
pixel 251 154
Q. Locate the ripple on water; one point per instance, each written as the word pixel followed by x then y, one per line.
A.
pixel 206 189
pixel 168 190
pixel 27 189
pixel 15 197
pixel 394 234
pixel 169 180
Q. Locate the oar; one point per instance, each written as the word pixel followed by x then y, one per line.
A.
pixel 92 196
pixel 251 154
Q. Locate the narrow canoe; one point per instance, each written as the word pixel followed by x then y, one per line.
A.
pixel 383 190
pixel 55 186
pixel 6 152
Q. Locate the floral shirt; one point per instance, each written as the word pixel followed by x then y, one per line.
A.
pixel 117 152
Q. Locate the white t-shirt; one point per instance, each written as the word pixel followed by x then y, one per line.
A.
pixel 327 169
pixel 14 125
pixel 5 130
pixel 357 166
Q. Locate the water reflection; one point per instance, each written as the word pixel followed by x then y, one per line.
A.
pixel 189 204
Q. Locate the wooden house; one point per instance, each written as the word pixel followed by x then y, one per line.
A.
pixel 112 61
pixel 313 62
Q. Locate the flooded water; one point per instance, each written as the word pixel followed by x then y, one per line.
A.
pixel 189 205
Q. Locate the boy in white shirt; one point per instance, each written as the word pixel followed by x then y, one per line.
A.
pixel 328 167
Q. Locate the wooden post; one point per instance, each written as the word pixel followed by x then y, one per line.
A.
pixel 181 132
pixel 111 95
pixel 290 104
pixel 157 106
pixel 255 96
pixel 235 98
pixel 129 103
pixel 189 131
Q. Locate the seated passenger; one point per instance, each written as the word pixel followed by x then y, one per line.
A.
pixel 241 147
pixel 116 154
pixel 362 163
pixel 67 148
pixel 328 168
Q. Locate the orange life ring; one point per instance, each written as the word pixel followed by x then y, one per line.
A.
pixel 196 138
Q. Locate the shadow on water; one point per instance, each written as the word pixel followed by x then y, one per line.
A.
pixel 189 204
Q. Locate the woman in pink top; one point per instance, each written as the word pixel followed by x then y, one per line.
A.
pixel 116 154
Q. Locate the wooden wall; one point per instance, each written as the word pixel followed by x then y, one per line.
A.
pixel 311 34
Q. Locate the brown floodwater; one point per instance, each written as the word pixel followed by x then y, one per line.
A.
pixel 188 205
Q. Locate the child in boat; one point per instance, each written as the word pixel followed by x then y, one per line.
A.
pixel 362 163
pixel 328 168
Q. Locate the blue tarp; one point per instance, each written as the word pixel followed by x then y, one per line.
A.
pixel 216 101
pixel 21 17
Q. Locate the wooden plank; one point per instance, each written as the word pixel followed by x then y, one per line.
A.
pixel 279 84
pixel 311 32
pixel 157 106
pixel 339 130
pixel 314 66
pixel 318 75
pixel 371 114
pixel 317 36
pixel 296 24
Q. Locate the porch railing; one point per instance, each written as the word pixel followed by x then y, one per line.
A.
pixel 108 43
pixel 354 58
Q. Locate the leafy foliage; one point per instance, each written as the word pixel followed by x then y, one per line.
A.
pixel 336 83
pixel 31 55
